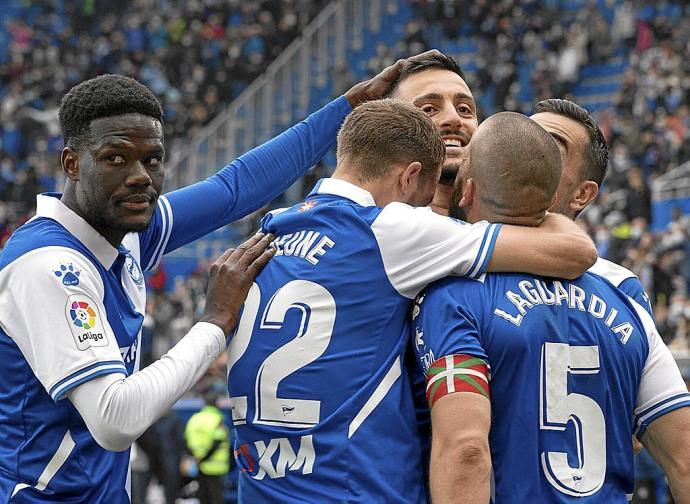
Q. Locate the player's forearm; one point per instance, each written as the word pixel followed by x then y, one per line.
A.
pixel 117 411
pixel 460 474
pixel 265 172
pixel 255 178
pixel 559 249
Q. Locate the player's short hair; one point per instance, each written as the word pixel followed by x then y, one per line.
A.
pixel 103 96
pixel 383 133
pixel 515 162
pixel 432 62
pixel 596 161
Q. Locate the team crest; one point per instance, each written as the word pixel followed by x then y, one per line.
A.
pixel 68 274
pixel 307 205
pixel 134 270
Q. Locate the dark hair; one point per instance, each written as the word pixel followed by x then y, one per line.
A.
pixel 103 96
pixel 598 156
pixel 382 133
pixel 433 61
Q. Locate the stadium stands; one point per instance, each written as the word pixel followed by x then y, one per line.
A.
pixel 626 60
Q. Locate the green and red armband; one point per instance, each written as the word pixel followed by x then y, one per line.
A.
pixel 456 373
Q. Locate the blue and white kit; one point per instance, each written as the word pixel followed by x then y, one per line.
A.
pixel 71 310
pixel 576 368
pixel 624 280
pixel 321 407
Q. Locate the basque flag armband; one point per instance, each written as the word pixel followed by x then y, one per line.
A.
pixel 457 373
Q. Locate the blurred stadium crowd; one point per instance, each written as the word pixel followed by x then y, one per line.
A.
pixel 198 55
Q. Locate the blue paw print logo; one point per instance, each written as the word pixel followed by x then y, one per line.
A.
pixel 69 274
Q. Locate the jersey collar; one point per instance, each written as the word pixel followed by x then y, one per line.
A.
pixel 344 189
pixel 49 205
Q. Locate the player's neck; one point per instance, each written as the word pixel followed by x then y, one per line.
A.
pixel 378 188
pixel 441 199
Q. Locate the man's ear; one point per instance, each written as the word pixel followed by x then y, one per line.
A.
pixel 69 159
pixel 469 188
pixel 409 176
pixel 584 195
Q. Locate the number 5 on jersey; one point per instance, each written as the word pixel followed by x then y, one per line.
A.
pixel 558 407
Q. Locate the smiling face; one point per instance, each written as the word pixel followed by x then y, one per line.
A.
pixel 115 178
pixel 573 142
pixel 445 97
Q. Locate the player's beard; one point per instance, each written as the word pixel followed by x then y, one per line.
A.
pixel 448 173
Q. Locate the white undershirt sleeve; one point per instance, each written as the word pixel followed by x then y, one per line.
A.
pixel 118 410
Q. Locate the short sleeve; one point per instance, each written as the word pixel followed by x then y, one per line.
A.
pixel 444 324
pixel 662 388
pixel 632 287
pixel 52 309
pixel 419 247
pixel 448 342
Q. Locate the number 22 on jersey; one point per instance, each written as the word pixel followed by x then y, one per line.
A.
pixel 313 335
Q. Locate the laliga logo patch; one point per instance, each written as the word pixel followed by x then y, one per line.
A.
pixel 85 322
pixel 82 315
pixel 69 274
pixel 133 270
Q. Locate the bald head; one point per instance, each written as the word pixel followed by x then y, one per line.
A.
pixel 515 166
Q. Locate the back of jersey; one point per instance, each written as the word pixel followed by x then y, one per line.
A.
pixel 321 410
pixel 567 360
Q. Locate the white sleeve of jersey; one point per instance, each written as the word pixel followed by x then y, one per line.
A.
pixel 662 388
pixel 52 308
pixel 118 410
pixel 418 246
pixel 612 272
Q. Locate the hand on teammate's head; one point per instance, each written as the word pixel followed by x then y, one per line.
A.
pixel 380 85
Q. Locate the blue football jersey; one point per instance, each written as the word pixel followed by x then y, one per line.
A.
pixel 576 368
pixel 625 280
pixel 72 307
pixel 321 405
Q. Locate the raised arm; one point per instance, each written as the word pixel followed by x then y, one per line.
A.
pixel 257 177
pixel 243 186
pixel 668 441
pixel 557 248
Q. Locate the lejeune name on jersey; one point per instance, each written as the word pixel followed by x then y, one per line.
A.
pixel 553 292
pixel 307 244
